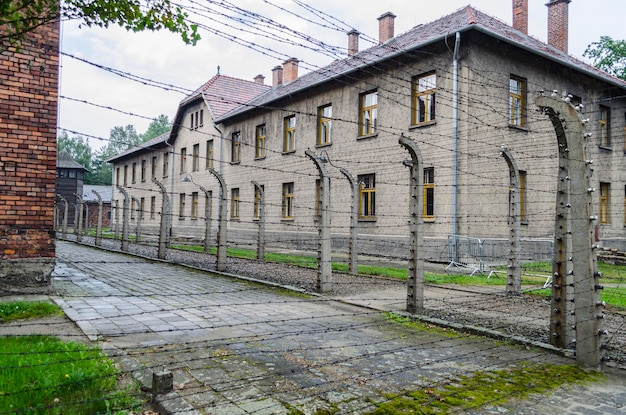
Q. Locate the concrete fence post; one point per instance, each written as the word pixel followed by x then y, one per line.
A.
pixel 575 275
pixel 415 281
pixel 222 230
pixel 260 247
pixel 324 261
pixel 78 227
pixel 163 230
pixel 99 223
pixel 139 211
pixel 117 219
pixel 353 261
pixel 514 269
pixel 65 213
pixel 124 218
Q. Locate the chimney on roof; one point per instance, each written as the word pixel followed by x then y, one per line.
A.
pixel 259 79
pixel 290 68
pixel 385 27
pixel 558 23
pixel 353 42
pixel 520 15
pixel 277 76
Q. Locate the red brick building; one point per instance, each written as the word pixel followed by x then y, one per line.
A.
pixel 28 120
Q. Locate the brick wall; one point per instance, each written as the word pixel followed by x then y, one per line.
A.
pixel 28 120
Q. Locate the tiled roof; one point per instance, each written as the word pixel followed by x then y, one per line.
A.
pixel 154 143
pixel 65 161
pixel 466 18
pixel 224 93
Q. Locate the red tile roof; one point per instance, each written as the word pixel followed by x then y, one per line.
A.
pixel 464 19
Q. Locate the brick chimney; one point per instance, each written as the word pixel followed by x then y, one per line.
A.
pixel 558 24
pixel 353 42
pixel 290 68
pixel 385 27
pixel 520 15
pixel 259 79
pixel 277 76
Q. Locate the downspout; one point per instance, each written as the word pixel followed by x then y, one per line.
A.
pixel 219 167
pixel 455 130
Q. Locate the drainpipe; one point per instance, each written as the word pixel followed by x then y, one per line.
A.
pixel 171 201
pixel 455 130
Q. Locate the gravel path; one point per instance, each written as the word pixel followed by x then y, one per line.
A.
pixel 527 316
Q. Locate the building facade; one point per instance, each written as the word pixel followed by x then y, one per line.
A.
pixel 460 87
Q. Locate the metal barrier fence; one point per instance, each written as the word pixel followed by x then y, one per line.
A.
pixel 491 255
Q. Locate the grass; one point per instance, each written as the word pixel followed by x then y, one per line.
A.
pixel 613 296
pixel 43 375
pixel 485 388
pixel 21 309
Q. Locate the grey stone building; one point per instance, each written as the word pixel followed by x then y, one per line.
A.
pixel 460 87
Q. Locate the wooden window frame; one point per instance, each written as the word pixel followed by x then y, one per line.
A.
pixel 153 167
pixel 367 196
pixel 143 170
pixel 260 141
pixel 289 136
pixel 604 126
pixel 324 125
pixel 133 174
pixel 257 202
pixel 152 207
pixel 429 194
pixel 209 154
pixel 181 206
pixel 368 114
pixel 517 101
pixel 288 198
pixel 194 205
pixel 166 164
pixel 234 203
pixel 195 158
pixel 424 91
pixel 236 147
pixel 604 203
pixel 183 160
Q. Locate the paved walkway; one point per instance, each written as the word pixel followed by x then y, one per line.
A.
pixel 236 347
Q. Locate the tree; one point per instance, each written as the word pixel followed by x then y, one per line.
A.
pixel 18 17
pixel 160 125
pixel 609 55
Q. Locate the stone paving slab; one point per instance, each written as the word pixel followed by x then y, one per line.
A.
pixel 239 348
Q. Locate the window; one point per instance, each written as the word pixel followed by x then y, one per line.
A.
pixel 142 204
pixel 288 200
pixel 289 142
pixel 424 91
pixel 143 170
pixel 517 102
pixel 429 193
pixel 604 126
pixel 154 167
pixel 522 196
pixel 368 113
pixel 192 118
pixel 236 147
pixel 132 208
pixel 181 206
pixel 324 125
pixel 209 154
pixel 125 175
pixel 195 160
pixel 605 188
pixel 152 206
pixel 234 204
pixel 201 122
pixel 259 146
pixel 258 205
pixel 166 163
pixel 367 196
pixel 117 176
pixel 134 173
pixel 194 205
pixel 183 160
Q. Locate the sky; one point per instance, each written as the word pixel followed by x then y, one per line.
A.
pixel 94 100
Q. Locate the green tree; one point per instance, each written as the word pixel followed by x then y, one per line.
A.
pixel 160 125
pixel 77 146
pixel 609 55
pixel 18 17
pixel 121 138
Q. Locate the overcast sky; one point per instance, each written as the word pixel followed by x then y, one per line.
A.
pixel 164 58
